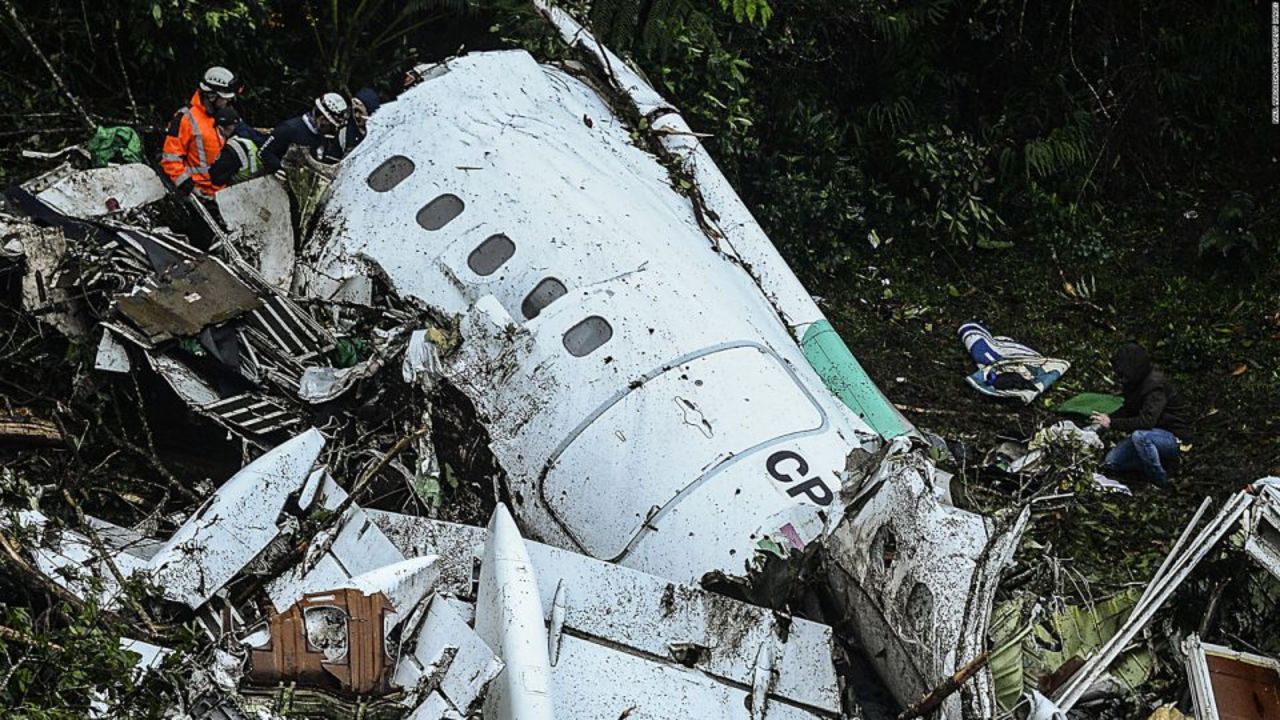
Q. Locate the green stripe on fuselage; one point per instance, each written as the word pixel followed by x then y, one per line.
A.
pixel 843 375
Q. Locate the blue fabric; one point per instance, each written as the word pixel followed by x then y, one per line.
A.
pixel 1146 451
pixel 986 349
pixel 1024 373
pixel 369 97
pixel 247 131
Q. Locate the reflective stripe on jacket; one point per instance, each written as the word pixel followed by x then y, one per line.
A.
pixel 191 145
pixel 239 161
pixel 247 153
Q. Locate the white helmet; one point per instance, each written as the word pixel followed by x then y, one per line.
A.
pixel 219 80
pixel 332 107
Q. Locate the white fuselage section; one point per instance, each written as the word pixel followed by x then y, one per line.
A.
pixel 641 392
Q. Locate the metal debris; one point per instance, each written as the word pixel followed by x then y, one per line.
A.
pixel 1228 684
pixel 187 298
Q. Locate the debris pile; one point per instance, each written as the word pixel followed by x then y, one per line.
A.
pixel 509 288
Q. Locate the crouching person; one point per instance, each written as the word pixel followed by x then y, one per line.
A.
pixel 1153 416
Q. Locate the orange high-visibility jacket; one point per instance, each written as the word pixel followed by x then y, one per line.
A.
pixel 190 147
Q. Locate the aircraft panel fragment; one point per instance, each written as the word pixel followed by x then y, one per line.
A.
pixel 234 525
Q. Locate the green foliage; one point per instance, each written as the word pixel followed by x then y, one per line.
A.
pixel 1232 233
pixel 948 172
pixel 751 11
pixel 53 665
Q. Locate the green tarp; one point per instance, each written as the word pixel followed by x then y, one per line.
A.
pixel 1085 404
pixel 114 144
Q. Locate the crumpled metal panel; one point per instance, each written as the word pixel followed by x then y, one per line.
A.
pixel 234 525
pixel 187 298
pixel 257 214
pixel 917 578
pixel 71 560
pixel 45 290
pixel 449 660
pixel 103 191
pixel 608 616
pixel 1263 540
pixel 357 546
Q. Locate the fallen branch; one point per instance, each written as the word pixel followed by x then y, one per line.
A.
pixel 930 702
pixel 128 88
pixel 107 557
pixel 299 550
pixel 29 430
pixel 10 556
pixel 11 635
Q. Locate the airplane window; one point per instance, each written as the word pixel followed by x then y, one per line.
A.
pixel 582 339
pixel 390 173
pixel 546 292
pixel 437 213
pixel 491 255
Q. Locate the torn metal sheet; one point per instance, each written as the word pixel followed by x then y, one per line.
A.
pixel 234 525
pixel 355 547
pixel 258 217
pixel 917 578
pixel 112 356
pixel 1263 526
pixel 70 559
pixel 1228 684
pixel 46 292
pixel 447 662
pixel 673 646
pixel 187 298
pixel 104 191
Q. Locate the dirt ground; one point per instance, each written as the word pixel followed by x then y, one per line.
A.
pixel 1217 334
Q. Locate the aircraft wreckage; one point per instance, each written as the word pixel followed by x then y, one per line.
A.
pixel 660 395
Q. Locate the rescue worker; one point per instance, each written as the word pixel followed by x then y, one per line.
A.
pixel 363 104
pixel 240 157
pixel 192 141
pixel 1153 416
pixel 313 129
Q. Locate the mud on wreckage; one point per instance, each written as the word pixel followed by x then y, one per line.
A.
pixel 504 303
